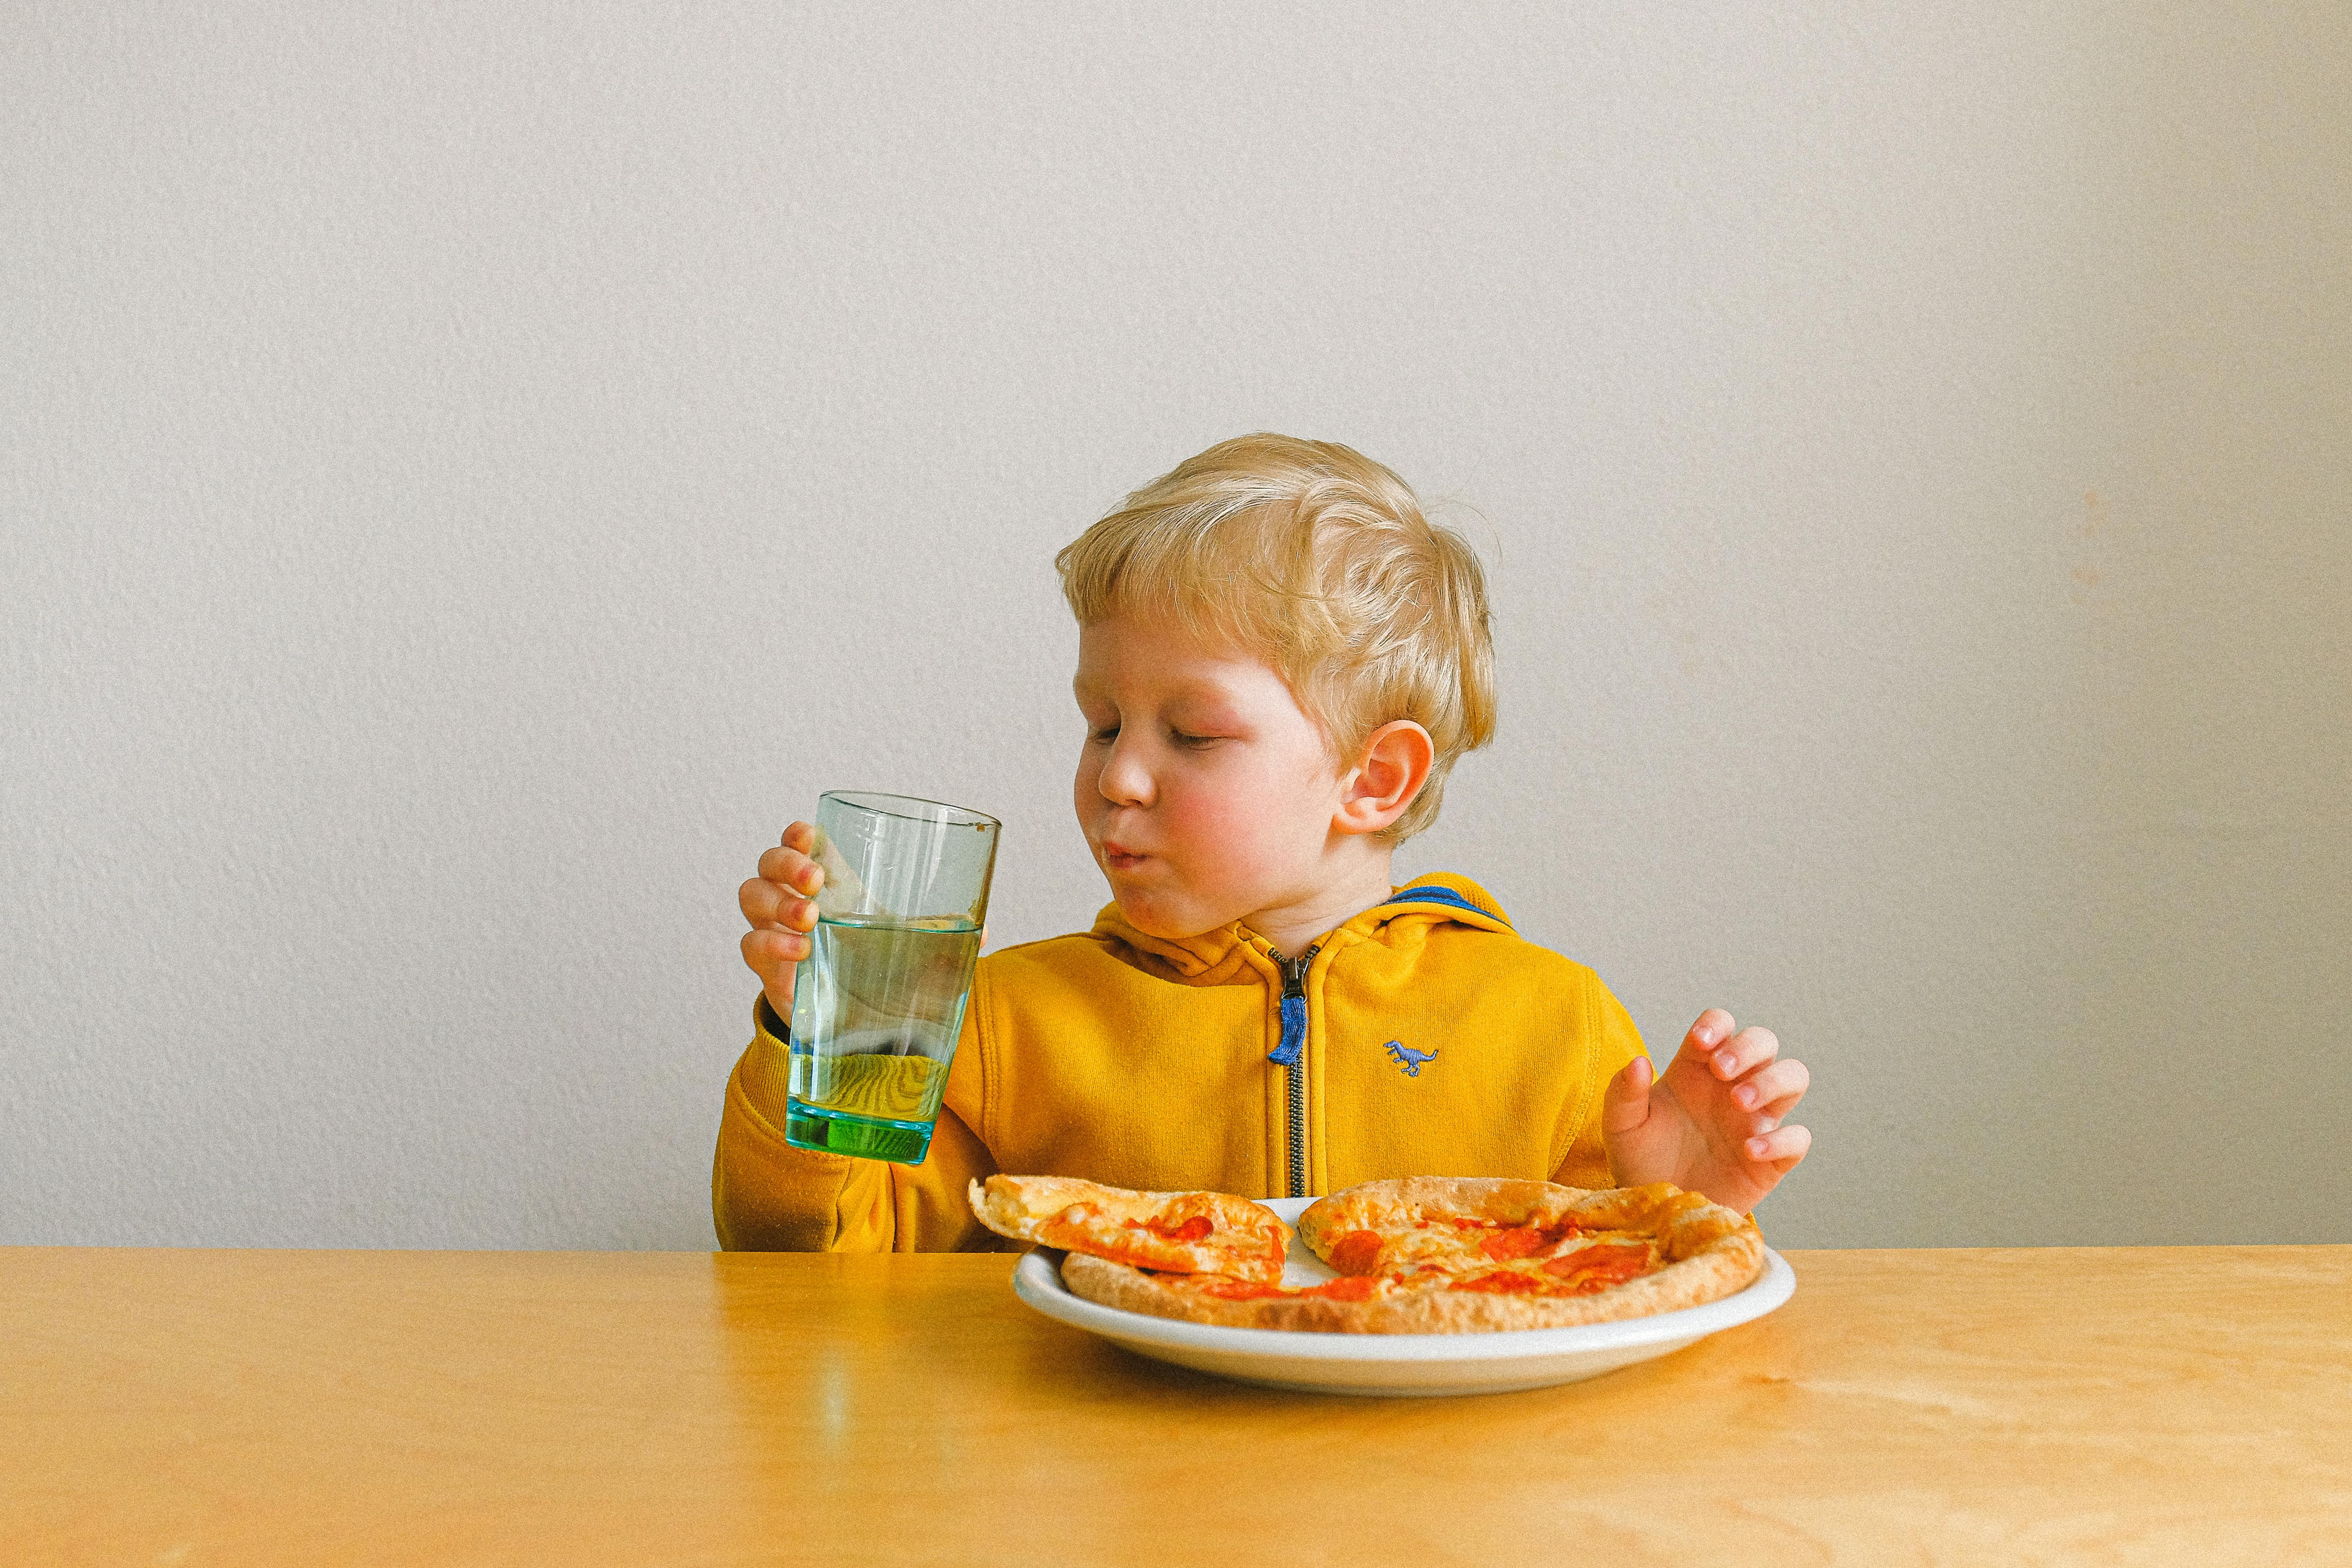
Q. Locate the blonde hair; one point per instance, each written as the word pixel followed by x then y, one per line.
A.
pixel 1316 560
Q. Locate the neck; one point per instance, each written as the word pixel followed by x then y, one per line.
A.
pixel 1294 926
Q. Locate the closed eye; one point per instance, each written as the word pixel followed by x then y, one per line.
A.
pixel 1103 737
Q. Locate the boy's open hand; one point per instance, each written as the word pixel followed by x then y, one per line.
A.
pixel 781 904
pixel 1714 1123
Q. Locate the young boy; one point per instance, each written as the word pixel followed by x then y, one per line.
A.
pixel 1279 660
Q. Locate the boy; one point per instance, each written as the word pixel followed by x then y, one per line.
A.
pixel 1279 660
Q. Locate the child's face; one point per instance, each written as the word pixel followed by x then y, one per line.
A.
pixel 1206 793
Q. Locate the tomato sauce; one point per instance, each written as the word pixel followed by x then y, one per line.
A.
pixel 1501 1282
pixel 1225 1289
pixel 1358 1252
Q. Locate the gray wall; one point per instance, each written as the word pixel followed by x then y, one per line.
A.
pixel 468 479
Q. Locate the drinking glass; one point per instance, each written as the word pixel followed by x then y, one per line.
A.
pixel 879 1002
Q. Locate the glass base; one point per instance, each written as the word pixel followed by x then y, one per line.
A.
pixel 865 1137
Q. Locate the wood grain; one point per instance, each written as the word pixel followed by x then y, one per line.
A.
pixel 2055 1405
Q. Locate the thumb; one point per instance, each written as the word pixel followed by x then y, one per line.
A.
pixel 1625 1104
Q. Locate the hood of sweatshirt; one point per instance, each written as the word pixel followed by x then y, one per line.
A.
pixel 1234 952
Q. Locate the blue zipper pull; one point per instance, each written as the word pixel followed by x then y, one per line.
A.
pixel 1294 1008
pixel 1294 1032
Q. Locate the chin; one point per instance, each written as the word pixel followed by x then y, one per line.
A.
pixel 1154 917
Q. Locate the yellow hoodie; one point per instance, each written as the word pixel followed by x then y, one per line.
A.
pixel 1430 1039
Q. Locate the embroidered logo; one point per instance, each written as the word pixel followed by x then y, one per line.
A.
pixel 1408 1058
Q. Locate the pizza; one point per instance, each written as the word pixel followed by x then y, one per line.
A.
pixel 1435 1254
pixel 1173 1234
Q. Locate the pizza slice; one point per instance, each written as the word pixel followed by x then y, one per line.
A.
pixel 1177 1234
pixel 1500 1234
pixel 1456 1255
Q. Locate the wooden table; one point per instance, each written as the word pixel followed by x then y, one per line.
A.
pixel 2096 1406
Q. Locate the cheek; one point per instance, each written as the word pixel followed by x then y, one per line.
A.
pixel 1248 821
pixel 1208 818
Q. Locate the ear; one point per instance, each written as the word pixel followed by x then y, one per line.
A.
pixel 1389 774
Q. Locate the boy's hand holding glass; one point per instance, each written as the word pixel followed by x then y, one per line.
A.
pixel 781 905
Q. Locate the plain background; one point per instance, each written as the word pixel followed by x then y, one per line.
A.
pixel 470 475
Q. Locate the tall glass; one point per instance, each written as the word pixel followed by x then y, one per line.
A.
pixel 879 1002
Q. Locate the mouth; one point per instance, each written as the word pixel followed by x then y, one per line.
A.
pixel 1118 858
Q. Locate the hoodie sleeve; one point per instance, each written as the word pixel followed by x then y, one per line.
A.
pixel 1580 1156
pixel 767 1196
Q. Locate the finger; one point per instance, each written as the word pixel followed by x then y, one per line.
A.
pixel 1625 1103
pixel 1744 1052
pixel 761 901
pixel 791 868
pixel 1713 1027
pixel 800 835
pixel 767 953
pixel 766 904
pixel 1780 1148
pixel 1772 1090
pixel 772 953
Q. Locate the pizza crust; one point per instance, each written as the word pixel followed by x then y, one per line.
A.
pixel 1709 1251
pixel 1690 1283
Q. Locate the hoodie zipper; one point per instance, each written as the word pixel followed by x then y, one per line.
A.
pixel 1287 1056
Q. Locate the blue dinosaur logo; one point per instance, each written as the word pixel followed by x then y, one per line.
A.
pixel 1408 1058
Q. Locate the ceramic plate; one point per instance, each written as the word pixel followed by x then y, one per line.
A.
pixel 1395 1363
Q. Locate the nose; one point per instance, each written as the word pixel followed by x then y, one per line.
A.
pixel 1124 780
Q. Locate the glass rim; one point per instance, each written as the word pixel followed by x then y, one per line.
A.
pixel 882 804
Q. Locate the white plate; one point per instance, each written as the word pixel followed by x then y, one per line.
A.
pixel 1395 1363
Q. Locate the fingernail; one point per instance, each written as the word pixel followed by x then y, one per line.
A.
pixel 1725 1061
pixel 1746 1095
pixel 1755 1148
